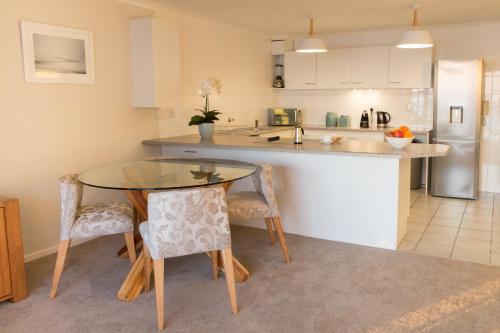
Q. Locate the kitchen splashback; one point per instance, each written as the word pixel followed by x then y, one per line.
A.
pixel 412 107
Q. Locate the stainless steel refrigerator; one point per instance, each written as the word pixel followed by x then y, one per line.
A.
pixel 457 114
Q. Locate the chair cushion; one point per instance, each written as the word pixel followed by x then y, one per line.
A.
pixel 102 219
pixel 247 205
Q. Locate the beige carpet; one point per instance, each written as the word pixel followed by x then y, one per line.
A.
pixel 329 287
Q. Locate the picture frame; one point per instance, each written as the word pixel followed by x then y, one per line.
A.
pixel 55 54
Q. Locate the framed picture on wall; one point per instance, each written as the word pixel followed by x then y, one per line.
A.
pixel 54 54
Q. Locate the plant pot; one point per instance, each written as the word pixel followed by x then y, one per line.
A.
pixel 206 130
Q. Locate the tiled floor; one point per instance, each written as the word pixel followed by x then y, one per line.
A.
pixel 466 230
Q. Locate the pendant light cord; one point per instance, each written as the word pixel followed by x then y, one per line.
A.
pixel 311 26
pixel 415 18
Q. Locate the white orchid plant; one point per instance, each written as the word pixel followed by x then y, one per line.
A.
pixel 208 87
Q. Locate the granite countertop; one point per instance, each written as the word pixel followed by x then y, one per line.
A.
pixel 346 147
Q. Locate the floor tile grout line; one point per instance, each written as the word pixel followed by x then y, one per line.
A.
pixel 458 230
pixel 427 226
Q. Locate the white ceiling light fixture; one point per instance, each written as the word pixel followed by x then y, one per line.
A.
pixel 311 44
pixel 415 37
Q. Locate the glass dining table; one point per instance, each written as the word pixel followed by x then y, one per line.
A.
pixel 138 178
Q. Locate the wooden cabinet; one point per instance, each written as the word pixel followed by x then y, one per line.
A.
pixel 410 68
pixel 300 70
pixel 334 69
pixel 12 274
pixel 155 57
pixel 370 67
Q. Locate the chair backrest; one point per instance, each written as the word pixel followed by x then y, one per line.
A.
pixel 71 198
pixel 187 221
pixel 263 181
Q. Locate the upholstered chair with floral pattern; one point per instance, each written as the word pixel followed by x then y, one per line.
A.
pixel 184 222
pixel 79 221
pixel 247 205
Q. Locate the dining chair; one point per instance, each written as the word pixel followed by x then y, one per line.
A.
pixel 259 204
pixel 79 221
pixel 183 222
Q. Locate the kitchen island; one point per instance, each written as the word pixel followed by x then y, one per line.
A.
pixel 353 191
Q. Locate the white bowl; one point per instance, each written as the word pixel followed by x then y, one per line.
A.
pixel 398 143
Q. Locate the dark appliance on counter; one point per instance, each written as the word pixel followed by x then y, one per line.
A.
pixel 365 121
pixel 278 77
pixel 383 119
pixel 284 117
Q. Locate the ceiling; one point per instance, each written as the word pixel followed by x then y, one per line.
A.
pixel 290 16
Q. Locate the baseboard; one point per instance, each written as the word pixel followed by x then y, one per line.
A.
pixel 51 249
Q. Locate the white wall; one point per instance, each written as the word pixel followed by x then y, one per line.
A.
pixel 52 129
pixel 212 49
pixel 48 130
pixel 455 42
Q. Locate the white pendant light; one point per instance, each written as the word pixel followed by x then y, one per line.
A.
pixel 415 37
pixel 311 44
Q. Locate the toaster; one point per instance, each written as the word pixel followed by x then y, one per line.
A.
pixel 283 117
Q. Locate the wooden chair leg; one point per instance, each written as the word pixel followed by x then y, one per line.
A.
pixel 269 223
pixel 281 237
pixel 214 255
pixel 227 260
pixel 61 257
pixel 129 239
pixel 158 268
pixel 147 269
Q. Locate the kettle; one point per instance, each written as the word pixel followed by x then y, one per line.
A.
pixel 298 132
pixel 383 119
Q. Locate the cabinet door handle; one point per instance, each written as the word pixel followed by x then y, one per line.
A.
pixel 357 82
pixel 395 82
pixel 344 82
pixel 310 82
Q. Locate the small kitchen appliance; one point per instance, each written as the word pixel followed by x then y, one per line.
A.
pixel 278 78
pixel 283 117
pixel 298 132
pixel 331 119
pixel 365 122
pixel 344 121
pixel 383 119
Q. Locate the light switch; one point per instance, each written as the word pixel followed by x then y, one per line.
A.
pixel 166 113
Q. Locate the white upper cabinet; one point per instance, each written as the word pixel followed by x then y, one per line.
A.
pixel 155 58
pixel 410 68
pixel 300 70
pixel 334 69
pixel 370 67
pixel 358 68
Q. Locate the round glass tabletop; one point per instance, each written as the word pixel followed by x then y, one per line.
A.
pixel 162 174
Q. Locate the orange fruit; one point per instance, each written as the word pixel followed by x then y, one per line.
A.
pixel 399 134
pixel 404 129
pixel 407 134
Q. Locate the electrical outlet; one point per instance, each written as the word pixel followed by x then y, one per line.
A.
pixel 166 113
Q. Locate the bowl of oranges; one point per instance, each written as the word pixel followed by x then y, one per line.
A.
pixel 400 137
